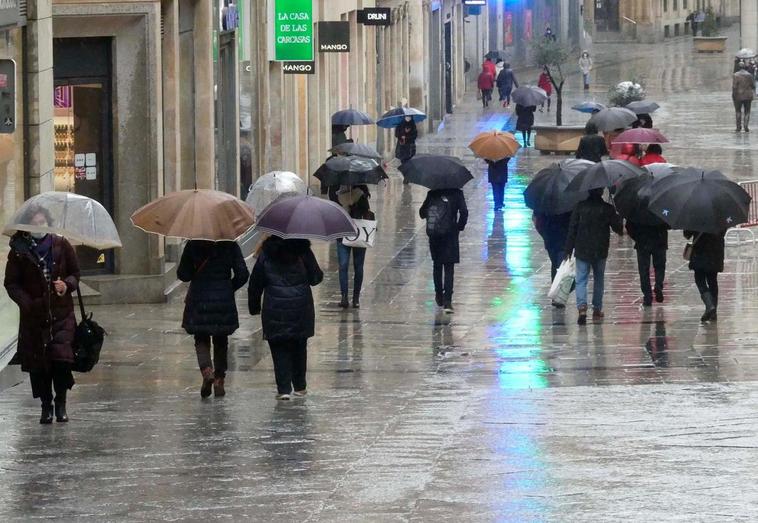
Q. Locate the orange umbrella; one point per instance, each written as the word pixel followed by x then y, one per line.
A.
pixel 196 215
pixel 494 145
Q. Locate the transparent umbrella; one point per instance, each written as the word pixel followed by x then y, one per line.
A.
pixel 272 186
pixel 81 220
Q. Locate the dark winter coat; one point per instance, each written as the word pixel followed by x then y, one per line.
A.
pixel 553 228
pixel 497 172
pixel 648 238
pixel 589 230
pixel 743 86
pixel 525 117
pixel 591 147
pixel 707 251
pixel 506 80
pixel 283 276
pixel 46 329
pixel 215 270
pixel 486 81
pixel 445 249
pixel 406 134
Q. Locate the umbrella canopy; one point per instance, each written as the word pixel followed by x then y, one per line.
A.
pixel 643 107
pixel 306 217
pixel 745 52
pixel 356 149
pixel 631 202
pixel 547 194
pixel 641 135
pixel 81 220
pixel 613 118
pixel 351 117
pixel 604 174
pixel 396 116
pixel 495 55
pixel 436 171
pixel 199 214
pixel 350 170
pixel 588 107
pixel 528 95
pixel 494 145
pixel 660 169
pixel 272 186
pixel 698 200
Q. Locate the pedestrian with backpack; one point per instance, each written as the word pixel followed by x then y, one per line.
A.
pixel 446 215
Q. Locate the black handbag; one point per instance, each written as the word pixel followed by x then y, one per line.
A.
pixel 88 341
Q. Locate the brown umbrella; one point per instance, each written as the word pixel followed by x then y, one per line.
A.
pixel 494 145
pixel 196 215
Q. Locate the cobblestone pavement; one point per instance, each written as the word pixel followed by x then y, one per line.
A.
pixel 504 411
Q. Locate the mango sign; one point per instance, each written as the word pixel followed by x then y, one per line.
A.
pixel 293 30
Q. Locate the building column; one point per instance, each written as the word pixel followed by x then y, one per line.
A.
pixel 749 24
pixel 170 72
pixel 40 89
pixel 416 55
pixel 205 135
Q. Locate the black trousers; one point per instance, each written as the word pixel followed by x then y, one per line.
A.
pixel 708 282
pixel 444 276
pixel 659 266
pixel 58 377
pixel 220 353
pixel 290 364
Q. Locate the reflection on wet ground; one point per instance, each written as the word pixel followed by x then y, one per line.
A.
pixel 504 411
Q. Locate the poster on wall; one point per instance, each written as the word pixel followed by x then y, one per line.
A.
pixel 528 29
pixel 508 28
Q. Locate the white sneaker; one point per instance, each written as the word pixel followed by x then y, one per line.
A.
pixel 300 393
pixel 283 397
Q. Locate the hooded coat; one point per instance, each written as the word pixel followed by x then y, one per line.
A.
pixel 215 270
pixel 46 329
pixel 283 276
pixel 743 86
pixel 446 249
pixel 406 134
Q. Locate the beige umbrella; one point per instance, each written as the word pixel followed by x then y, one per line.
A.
pixel 196 214
pixel 494 145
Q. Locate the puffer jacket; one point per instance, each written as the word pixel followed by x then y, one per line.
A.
pixel 743 86
pixel 283 277
pixel 215 270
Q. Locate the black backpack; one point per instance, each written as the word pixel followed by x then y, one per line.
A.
pixel 440 218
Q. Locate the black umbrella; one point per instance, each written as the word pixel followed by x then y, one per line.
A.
pixel 547 194
pixel 306 217
pixel 528 95
pixel 356 149
pixel 643 107
pixel 632 204
pixel 495 55
pixel 351 117
pixel 436 171
pixel 613 118
pixel 698 200
pixel 604 174
pixel 350 170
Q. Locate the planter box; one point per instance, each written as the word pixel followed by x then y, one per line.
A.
pixel 710 44
pixel 559 140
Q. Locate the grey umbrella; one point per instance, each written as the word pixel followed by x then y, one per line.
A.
pixel 643 107
pixel 306 217
pixel 528 95
pixel 604 174
pixel 351 117
pixel 745 52
pixel 356 149
pixel 613 118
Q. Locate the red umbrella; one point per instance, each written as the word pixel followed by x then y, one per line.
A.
pixel 641 135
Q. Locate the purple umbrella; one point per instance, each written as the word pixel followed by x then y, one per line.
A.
pixel 306 217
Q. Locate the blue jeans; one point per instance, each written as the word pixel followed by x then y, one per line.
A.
pixel 343 256
pixel 498 195
pixel 598 286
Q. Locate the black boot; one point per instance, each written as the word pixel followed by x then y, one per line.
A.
pixel 47 413
pixel 344 304
pixel 60 411
pixel 710 307
pixel 438 299
pixel 356 300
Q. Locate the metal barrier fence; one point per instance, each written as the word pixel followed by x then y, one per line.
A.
pixel 742 230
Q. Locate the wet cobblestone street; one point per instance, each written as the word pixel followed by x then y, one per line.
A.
pixel 503 411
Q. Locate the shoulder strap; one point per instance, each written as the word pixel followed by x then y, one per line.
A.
pixel 81 302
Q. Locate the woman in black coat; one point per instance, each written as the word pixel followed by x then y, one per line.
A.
pixel 406 134
pixel 215 271
pixel 497 175
pixel 707 260
pixel 525 121
pixel 283 276
pixel 446 215
pixel 41 275
pixel 592 146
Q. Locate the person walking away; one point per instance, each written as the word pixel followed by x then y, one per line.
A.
pixel 549 34
pixel 525 121
pixel 506 81
pixel 644 120
pixel 282 279
pixel 650 241
pixel 486 83
pixel 653 154
pixel 497 175
pixel 446 215
pixel 707 260
pixel 585 66
pixel 743 92
pixel 592 145
pixel 499 65
pixel 553 228
pixel 693 24
pixel 40 277
pixel 215 271
pixel 589 240
pixel 544 83
pixel 629 152
pixel 356 202
pixel 406 134
pixel 489 66
pixel 339 135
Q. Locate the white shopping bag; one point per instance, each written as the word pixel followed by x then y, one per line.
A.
pixel 564 280
pixel 366 235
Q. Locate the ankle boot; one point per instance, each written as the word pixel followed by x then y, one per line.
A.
pixel 344 304
pixel 356 300
pixel 60 412
pixel 218 387
pixel 739 122
pixel 710 307
pixel 747 122
pixel 47 413
pixel 208 379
